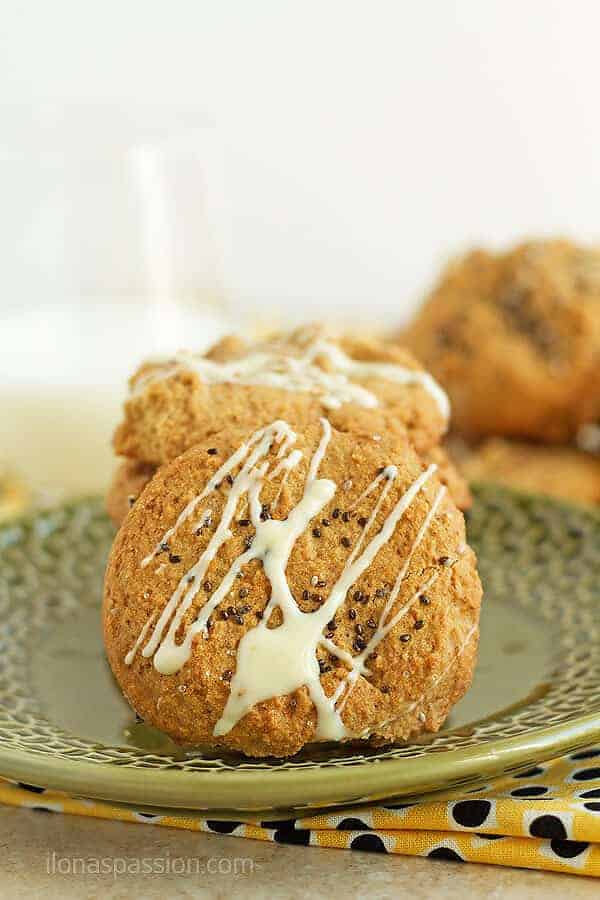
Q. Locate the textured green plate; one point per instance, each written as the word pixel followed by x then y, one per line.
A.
pixel 64 724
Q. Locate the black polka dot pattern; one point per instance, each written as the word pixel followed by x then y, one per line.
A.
pixel 531 773
pixel 446 853
pixel 534 790
pixel 370 842
pixel 568 849
pixel 31 787
pixel 222 827
pixel 352 824
pixel 593 792
pixel 590 753
pixel 549 827
pixel 587 774
pixel 471 813
pixel 287 835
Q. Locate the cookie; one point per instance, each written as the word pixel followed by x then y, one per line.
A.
pixel 270 589
pixel 515 340
pixel 563 472
pixel 363 386
pixel 129 480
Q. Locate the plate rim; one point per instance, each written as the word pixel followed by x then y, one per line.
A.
pixel 235 789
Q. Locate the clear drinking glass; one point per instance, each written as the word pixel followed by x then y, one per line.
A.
pixel 109 255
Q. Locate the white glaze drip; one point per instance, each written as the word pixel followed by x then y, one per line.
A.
pixel 204 520
pixel 280 432
pixel 279 369
pixel 277 661
pixel 130 656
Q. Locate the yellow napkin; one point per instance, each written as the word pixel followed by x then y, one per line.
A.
pixel 545 818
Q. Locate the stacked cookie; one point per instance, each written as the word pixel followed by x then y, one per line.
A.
pixel 291 564
pixel 515 340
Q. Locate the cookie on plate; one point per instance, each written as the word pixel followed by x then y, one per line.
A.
pixel 270 589
pixel 515 340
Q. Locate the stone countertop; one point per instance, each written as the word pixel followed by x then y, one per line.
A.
pixel 33 843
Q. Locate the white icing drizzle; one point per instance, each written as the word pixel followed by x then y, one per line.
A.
pixel 204 520
pixel 278 368
pixel 130 656
pixel 319 453
pixel 289 463
pixel 279 430
pixel 277 661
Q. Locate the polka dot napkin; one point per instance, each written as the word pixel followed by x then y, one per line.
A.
pixel 545 818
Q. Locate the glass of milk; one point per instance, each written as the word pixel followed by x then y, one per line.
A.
pixel 110 227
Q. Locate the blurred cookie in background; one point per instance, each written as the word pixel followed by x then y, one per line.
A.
pixel 564 472
pixel 514 338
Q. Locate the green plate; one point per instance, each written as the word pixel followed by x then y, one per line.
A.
pixel 536 694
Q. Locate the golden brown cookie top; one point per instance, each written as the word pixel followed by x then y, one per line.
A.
pixel 267 589
pixel 363 386
pixel 515 339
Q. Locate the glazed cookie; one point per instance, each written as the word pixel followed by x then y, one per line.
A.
pixel 563 472
pixel 515 340
pixel 271 589
pixel 362 386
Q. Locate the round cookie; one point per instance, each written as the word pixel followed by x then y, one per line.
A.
pixel 515 340
pixel 272 589
pixel 563 472
pixel 363 386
